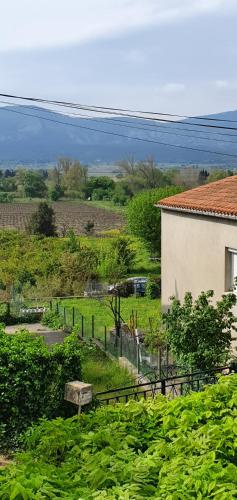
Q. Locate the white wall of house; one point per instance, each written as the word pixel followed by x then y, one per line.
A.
pixel 195 254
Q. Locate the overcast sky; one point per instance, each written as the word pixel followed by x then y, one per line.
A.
pixel 174 56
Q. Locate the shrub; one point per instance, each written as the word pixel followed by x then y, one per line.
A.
pixel 182 449
pixel 32 380
pixel 42 222
pixel 52 319
pixel 153 288
pixel 198 332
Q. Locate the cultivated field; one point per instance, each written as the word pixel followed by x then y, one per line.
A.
pixel 69 215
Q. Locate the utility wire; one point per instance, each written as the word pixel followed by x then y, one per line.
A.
pixel 151 126
pixel 114 112
pixel 122 135
pixel 155 113
pixel 126 124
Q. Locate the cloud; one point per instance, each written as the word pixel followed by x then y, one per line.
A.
pixel 226 84
pixel 173 88
pixel 42 23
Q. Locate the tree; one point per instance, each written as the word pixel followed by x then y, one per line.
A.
pixel 43 221
pixel 198 332
pixel 144 219
pixel 99 187
pixel 202 176
pixel 33 184
pixel 56 192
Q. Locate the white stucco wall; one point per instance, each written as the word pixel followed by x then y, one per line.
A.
pixel 194 254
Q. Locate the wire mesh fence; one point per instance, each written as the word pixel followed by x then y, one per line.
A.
pixel 120 341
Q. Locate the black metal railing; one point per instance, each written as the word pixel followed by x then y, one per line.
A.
pixel 172 386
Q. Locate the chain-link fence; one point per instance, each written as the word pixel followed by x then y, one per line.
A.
pixel 120 341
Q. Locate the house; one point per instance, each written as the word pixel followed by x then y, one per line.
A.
pixel 199 240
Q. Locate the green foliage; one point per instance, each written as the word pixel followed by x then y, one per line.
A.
pixel 6 198
pixel 198 332
pixel 33 184
pixel 32 380
pixel 182 449
pixel 144 219
pixel 99 187
pixel 42 222
pixel 52 319
pixel 89 227
pixel 102 372
pixel 56 193
pixel 153 288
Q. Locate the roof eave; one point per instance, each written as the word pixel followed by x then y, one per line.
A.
pixel 197 212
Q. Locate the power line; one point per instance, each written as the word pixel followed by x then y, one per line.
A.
pixel 122 123
pixel 150 126
pixel 122 135
pixel 113 111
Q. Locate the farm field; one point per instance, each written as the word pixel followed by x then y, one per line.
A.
pixel 69 215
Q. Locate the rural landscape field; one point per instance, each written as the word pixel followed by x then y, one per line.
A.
pixel 69 215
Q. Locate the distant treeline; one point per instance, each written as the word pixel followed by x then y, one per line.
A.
pixel 70 179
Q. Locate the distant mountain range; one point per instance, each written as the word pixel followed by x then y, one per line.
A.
pixel 36 136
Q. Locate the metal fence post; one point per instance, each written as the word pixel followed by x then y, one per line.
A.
pixel 138 358
pixel 92 326
pixel 121 342
pixel 73 316
pixel 57 308
pixel 163 389
pixel 64 315
pixel 82 326
pixel 50 305
pixel 105 338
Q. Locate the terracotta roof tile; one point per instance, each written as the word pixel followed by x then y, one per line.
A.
pixel 218 197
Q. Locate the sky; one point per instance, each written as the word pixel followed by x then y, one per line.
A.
pixel 176 56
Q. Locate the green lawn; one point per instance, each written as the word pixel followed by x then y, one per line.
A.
pixel 146 310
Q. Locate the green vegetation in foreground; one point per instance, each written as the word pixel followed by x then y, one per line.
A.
pixel 172 450
pixel 146 308
pixel 103 373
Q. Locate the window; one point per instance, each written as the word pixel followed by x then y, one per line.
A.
pixel 231 274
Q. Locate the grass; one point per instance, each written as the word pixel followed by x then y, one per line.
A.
pixel 103 373
pixel 107 205
pixel 147 310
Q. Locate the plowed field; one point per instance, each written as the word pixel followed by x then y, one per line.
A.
pixel 69 215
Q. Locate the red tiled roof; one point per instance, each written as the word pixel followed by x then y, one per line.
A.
pixel 218 197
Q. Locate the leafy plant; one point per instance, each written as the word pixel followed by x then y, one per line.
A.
pixel 182 449
pixel 199 332
pixel 52 319
pixel 32 380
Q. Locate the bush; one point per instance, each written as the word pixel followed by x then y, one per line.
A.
pixel 172 450
pixel 52 319
pixel 153 288
pixel 42 222
pixel 32 380
pixel 198 332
